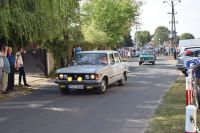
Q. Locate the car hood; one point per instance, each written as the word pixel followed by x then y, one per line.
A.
pixel 81 69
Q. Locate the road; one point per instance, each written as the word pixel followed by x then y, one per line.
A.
pixel 121 110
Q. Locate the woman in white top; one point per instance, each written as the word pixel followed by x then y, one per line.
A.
pixel 20 66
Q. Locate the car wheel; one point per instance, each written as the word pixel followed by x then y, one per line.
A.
pixel 185 73
pixel 140 63
pixel 64 90
pixel 122 81
pixel 103 86
pixel 153 63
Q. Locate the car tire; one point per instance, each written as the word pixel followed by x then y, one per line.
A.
pixel 185 73
pixel 64 91
pixel 153 63
pixel 140 63
pixel 102 88
pixel 122 81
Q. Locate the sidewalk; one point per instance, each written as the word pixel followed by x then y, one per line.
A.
pixel 35 81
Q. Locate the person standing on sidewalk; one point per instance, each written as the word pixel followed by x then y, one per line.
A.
pixel 78 49
pixel 11 78
pixel 20 66
pixel 1 65
pixel 6 71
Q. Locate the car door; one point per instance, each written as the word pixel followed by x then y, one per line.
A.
pixel 119 66
pixel 112 68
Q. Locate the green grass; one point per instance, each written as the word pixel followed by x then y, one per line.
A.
pixel 3 97
pixel 170 114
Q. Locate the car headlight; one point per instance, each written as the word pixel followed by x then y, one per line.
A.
pixel 92 76
pixel 87 77
pixel 79 79
pixel 65 76
pixel 61 76
pixel 69 79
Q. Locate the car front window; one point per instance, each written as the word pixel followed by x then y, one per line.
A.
pixel 91 59
pixel 147 52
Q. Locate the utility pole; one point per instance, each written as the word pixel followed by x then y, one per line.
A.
pixel 137 26
pixel 173 21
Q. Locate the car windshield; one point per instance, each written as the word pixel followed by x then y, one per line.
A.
pixel 147 52
pixel 91 59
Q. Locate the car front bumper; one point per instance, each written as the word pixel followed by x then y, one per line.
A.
pixel 86 84
pixel 146 61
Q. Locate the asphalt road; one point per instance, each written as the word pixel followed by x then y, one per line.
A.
pixel 121 110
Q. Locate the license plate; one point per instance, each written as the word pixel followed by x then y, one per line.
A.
pixel 75 86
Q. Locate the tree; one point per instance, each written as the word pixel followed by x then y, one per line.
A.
pixel 94 36
pixel 128 42
pixel 186 36
pixel 53 23
pixel 142 37
pixel 112 17
pixel 161 35
pixel 35 20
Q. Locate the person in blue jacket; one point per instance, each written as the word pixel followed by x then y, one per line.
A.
pixel 11 78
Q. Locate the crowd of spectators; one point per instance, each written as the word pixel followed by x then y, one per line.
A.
pixel 8 65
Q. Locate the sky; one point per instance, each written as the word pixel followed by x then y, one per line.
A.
pixel 154 13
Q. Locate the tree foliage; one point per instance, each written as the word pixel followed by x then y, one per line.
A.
pixel 35 20
pixel 111 17
pixel 186 36
pixel 161 34
pixel 94 36
pixel 142 37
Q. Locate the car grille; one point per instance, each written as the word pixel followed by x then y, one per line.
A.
pixel 75 76
pixel 147 58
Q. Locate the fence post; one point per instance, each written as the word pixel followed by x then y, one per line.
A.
pixel 188 91
pixel 190 119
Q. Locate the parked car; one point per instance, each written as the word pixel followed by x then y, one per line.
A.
pixel 93 70
pixel 187 55
pixel 147 56
pixel 183 49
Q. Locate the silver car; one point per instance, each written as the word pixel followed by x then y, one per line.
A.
pixel 93 70
pixel 184 57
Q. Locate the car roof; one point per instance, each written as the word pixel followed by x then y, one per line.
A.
pixel 194 49
pixel 100 51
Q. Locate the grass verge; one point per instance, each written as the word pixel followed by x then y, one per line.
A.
pixel 170 115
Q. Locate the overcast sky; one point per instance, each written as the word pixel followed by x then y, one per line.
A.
pixel 154 14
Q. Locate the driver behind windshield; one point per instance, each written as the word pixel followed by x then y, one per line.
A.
pixel 103 60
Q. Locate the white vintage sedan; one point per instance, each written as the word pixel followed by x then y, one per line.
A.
pixel 93 70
